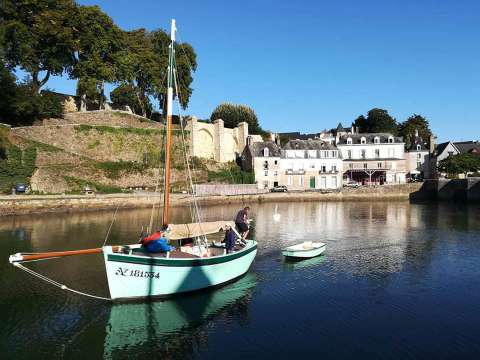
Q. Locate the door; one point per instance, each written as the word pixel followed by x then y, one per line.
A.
pixel 323 182
pixel 312 182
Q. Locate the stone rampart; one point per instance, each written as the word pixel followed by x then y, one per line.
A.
pixel 461 190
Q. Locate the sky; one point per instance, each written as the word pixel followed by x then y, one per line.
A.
pixel 308 65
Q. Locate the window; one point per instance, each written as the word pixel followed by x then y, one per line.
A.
pixel 289 180
pixel 379 165
pixel 290 153
pixel 364 154
pixel 312 165
pixel 299 154
pixel 265 165
pixel 363 140
pixel 377 153
pixel 419 147
pixel 323 168
pixel 276 162
pixel 349 154
pixel 376 140
pixel 349 141
pixel 312 153
pixel 275 173
pixel 390 139
pixel 365 165
pixel 350 166
pixel 419 156
pixel 334 182
pixel 266 152
pixel 265 173
pixel 265 184
pixel 419 165
pixel 334 168
pixel 300 180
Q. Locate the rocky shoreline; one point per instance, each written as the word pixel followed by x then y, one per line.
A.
pixel 35 204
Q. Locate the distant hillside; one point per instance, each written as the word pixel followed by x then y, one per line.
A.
pixel 110 151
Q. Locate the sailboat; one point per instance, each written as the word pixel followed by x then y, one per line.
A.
pixel 133 273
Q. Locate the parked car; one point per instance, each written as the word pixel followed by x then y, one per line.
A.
pixel 352 184
pixel 280 188
pixel 20 188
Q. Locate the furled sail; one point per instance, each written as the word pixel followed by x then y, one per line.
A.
pixel 184 231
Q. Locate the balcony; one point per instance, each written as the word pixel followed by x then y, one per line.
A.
pixel 333 171
pixel 295 172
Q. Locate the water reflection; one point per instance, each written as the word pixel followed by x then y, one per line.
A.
pixel 163 325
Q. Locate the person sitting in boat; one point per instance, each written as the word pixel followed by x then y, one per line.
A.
pixel 230 238
pixel 156 242
pixel 241 221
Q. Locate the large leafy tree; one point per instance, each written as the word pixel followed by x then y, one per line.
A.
pixel 377 121
pixel 39 37
pixel 233 114
pixel 460 164
pixel 414 123
pixel 99 45
pixel 186 64
pixel 139 70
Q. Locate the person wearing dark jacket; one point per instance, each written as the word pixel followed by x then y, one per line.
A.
pixel 230 239
pixel 241 222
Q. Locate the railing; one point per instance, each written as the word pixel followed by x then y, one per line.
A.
pixel 333 171
pixel 295 172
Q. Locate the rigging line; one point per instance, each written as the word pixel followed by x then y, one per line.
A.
pixel 157 184
pixel 57 284
pixel 110 227
pixel 195 202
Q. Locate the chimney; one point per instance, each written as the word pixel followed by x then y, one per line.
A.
pixel 416 132
pixel 249 140
pixel 277 139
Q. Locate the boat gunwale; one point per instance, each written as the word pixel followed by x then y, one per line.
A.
pixel 179 262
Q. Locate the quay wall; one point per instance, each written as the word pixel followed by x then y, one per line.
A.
pixel 461 190
pixel 34 204
pixel 227 189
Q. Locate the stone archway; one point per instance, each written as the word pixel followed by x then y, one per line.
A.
pixel 205 146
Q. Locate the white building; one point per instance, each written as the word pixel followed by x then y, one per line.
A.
pixel 418 159
pixel 310 164
pixel 373 158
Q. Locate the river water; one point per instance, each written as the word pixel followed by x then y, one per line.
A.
pixel 397 281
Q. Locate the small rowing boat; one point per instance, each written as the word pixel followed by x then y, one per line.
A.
pixel 304 250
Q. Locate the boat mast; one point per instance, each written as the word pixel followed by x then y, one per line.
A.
pixel 168 143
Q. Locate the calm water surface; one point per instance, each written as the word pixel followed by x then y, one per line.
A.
pixel 398 281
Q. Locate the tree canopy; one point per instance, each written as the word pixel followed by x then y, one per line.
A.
pixel 233 114
pixel 414 123
pixel 377 121
pixel 460 164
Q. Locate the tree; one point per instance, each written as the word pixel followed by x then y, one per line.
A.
pixel 377 121
pixel 98 47
pixel 139 72
pixel 125 95
pixel 233 114
pixel 460 164
pixel 186 64
pixel 39 37
pixel 413 123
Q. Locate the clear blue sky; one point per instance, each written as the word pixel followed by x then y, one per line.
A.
pixel 307 65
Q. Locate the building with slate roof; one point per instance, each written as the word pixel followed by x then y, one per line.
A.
pixel 418 159
pixel 373 158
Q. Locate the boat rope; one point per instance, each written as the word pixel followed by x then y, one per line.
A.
pixel 110 227
pixel 57 284
pixel 189 170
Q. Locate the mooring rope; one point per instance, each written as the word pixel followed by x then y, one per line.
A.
pixel 57 284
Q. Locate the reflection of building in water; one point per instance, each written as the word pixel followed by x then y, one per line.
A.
pixel 175 325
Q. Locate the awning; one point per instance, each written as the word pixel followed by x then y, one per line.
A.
pixel 185 231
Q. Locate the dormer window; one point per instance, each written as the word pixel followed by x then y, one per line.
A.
pixel 266 152
pixel 390 139
pixel 419 148
pixel 349 141
pixel 363 140
pixel 376 140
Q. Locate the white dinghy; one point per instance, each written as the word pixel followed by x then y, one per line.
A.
pixel 304 250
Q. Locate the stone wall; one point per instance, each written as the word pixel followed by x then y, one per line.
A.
pixel 227 190
pixel 216 142
pixel 102 117
pixel 461 190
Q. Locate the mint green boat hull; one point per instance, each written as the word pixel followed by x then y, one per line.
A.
pixel 136 276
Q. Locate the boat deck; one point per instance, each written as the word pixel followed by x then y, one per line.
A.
pixel 177 254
